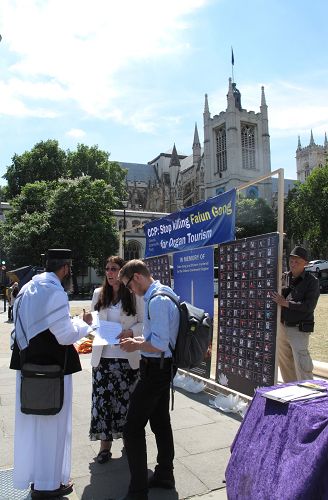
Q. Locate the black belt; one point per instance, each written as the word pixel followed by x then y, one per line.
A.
pixel 154 361
pixel 287 323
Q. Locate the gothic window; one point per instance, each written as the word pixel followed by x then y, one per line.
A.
pixel 221 149
pixel 133 250
pixel 135 224
pixel 253 192
pixel 248 146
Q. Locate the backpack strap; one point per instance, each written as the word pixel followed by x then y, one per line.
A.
pixel 177 303
pixel 163 294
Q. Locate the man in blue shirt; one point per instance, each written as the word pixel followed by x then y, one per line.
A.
pixel 151 397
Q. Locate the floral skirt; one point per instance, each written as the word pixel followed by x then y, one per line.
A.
pixel 112 383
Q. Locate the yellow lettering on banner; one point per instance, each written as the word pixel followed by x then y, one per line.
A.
pixel 200 217
pixel 224 209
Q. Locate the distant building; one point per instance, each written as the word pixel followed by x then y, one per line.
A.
pixel 236 150
pixel 4 207
pixel 135 236
pixel 310 157
pixel 288 185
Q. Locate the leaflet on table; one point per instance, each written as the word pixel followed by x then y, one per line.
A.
pixel 293 393
pixel 107 332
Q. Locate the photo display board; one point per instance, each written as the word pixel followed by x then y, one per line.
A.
pixel 159 268
pixel 247 323
pixel 194 283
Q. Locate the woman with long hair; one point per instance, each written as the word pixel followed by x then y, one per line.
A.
pixel 114 371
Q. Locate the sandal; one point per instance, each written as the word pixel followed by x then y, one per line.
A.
pixel 103 456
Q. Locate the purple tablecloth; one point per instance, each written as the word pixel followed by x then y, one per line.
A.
pixel 280 451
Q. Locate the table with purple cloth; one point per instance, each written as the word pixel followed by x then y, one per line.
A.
pixel 280 451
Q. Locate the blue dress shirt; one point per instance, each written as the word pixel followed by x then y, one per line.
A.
pixel 162 327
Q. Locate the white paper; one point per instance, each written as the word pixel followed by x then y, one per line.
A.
pixel 292 393
pixel 107 332
pixel 95 323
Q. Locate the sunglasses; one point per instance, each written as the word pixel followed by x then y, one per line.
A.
pixel 113 269
pixel 127 284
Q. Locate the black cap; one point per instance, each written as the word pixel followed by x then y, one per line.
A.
pixel 59 254
pixel 300 252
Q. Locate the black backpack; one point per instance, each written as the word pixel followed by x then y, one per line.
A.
pixel 194 334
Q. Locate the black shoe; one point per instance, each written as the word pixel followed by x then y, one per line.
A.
pixel 103 456
pixel 64 489
pixel 157 482
pixel 132 496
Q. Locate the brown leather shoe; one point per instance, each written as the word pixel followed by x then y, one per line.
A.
pixel 64 489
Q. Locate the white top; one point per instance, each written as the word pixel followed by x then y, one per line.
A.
pixel 135 323
pixel 113 351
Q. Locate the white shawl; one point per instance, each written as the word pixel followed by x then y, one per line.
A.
pixel 39 304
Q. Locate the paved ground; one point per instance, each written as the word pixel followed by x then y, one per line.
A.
pixel 202 436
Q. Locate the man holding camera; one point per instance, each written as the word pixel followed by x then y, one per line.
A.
pixel 298 302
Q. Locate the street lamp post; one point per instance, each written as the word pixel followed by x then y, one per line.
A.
pixel 125 204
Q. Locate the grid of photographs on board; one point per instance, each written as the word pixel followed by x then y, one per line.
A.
pixel 159 268
pixel 247 323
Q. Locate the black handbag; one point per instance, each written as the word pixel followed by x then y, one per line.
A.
pixel 42 389
pixel 42 386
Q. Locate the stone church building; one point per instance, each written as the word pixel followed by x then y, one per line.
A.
pixel 236 150
pixel 310 157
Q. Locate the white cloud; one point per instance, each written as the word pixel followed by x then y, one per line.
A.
pixel 76 133
pixel 293 109
pixel 12 102
pixel 74 50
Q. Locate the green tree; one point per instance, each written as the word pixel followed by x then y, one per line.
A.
pixel 3 193
pixel 306 212
pixel 33 198
pixel 254 216
pixel 48 162
pixel 95 163
pixel 24 232
pixel 45 162
pixel 25 240
pixel 80 216
pixel 74 214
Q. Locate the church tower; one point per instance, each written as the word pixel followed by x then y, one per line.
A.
pixel 174 172
pixel 196 147
pixel 310 157
pixel 237 147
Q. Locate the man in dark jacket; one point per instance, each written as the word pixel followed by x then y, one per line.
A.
pixel 298 302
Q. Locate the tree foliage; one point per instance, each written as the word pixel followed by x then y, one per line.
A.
pixel 48 162
pixel 61 199
pixel 45 162
pixel 81 219
pixel 306 213
pixel 3 193
pixel 254 216
pixel 72 214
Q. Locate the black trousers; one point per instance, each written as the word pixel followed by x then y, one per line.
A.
pixel 149 401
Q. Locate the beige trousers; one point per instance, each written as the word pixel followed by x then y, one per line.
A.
pixel 293 355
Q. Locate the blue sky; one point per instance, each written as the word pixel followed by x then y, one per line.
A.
pixel 131 76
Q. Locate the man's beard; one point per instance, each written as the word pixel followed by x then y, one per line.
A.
pixel 67 283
